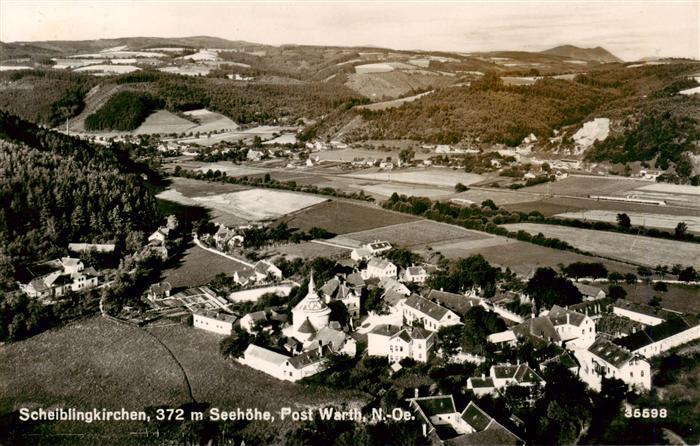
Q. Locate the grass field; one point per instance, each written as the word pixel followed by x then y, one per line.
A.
pixel 583 186
pixel 308 250
pixel 341 217
pixel 524 258
pixel 258 204
pixel 640 250
pixel 163 122
pixel 198 267
pixel 417 234
pixel 385 190
pixel 637 218
pixel 434 177
pixel 498 196
pixel 91 363
pixel 683 298
pixel 197 188
pixel 558 205
pixel 98 363
pixel 209 121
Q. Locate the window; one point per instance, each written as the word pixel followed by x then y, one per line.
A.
pixel 642 373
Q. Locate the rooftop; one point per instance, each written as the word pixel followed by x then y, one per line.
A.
pixel 610 352
pixel 656 333
pixel 436 405
pixel 475 417
pixel 427 307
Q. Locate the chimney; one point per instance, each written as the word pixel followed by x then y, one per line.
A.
pixel 425 430
pixel 567 318
pixel 415 392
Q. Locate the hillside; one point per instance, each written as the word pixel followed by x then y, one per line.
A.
pixel 597 54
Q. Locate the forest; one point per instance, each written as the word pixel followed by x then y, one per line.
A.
pixel 124 111
pixel 57 189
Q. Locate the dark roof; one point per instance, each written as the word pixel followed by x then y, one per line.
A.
pixel 481 382
pixel 609 352
pixel 426 307
pixel 475 417
pixel 558 316
pixel 588 290
pixel 436 405
pixel 404 336
pixel 355 279
pixel 456 302
pixel 494 435
pixel 540 327
pixel 421 333
pixel 305 359
pixel 643 309
pixel 306 327
pixel 522 373
pixel 386 330
pixel 656 333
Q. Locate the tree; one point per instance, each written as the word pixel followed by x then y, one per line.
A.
pixel 660 286
pixel 623 220
pixel 236 344
pixel 681 230
pixel 489 204
pixel 547 289
pixel 616 292
pixel 583 269
pixel 688 275
pixel 459 187
pixel 406 155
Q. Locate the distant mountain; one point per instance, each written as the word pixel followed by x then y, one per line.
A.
pixel 597 54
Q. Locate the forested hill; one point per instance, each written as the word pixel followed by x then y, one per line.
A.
pixel 57 189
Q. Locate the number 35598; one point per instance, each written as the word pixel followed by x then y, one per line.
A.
pixel 645 413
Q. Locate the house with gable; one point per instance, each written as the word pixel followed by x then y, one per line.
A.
pixel 560 326
pixel 443 424
pixel 503 375
pixel 251 321
pixel 378 268
pixel 607 359
pixel 338 288
pixel 283 367
pixel 415 274
pixel 657 339
pixel 433 316
pixel 397 343
pixel 55 278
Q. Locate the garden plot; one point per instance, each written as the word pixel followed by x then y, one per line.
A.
pixel 433 177
pixel 625 247
pixel 637 218
pixel 258 204
pixel 164 122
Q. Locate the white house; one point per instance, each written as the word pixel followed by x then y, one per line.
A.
pixel 214 321
pixel 504 375
pixel 644 314
pixel 370 249
pixel 415 274
pixel 433 316
pixel 57 277
pixel 379 268
pixel 574 329
pixel 660 338
pixel 283 367
pixel 606 359
pixel 160 235
pixel 264 269
pixel 338 288
pixel 398 343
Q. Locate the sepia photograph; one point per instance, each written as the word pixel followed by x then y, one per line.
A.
pixel 371 223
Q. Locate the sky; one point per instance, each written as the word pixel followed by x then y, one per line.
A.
pixel 629 29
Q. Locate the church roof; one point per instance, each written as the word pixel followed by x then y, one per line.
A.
pixel 312 303
pixel 306 327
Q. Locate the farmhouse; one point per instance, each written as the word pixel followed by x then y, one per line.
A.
pixel 606 359
pixel 444 425
pixel 398 343
pixel 561 326
pixel 159 291
pixel 283 367
pixel 214 321
pixel 415 274
pixel 590 292
pixel 392 285
pixel 501 376
pixel 265 270
pixel 644 314
pixel 458 303
pixel 369 250
pixel 226 239
pixel 58 277
pixel 654 340
pixel 379 268
pixel 433 316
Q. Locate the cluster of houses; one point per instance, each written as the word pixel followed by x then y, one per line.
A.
pixel 159 239
pixel 47 281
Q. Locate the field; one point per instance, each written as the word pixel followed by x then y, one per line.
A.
pixel 308 250
pixel 197 188
pixel 91 363
pixel 433 177
pixel 258 204
pixel 341 217
pixel 631 248
pixel 347 155
pixel 498 196
pixel 231 170
pixel 164 122
pixel 198 267
pixel 392 104
pixel 97 363
pixel 638 219
pixel 385 190
pixel 683 298
pixel 416 234
pixel 265 132
pixel 210 121
pixel 558 205
pixel 588 185
pixel 521 257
